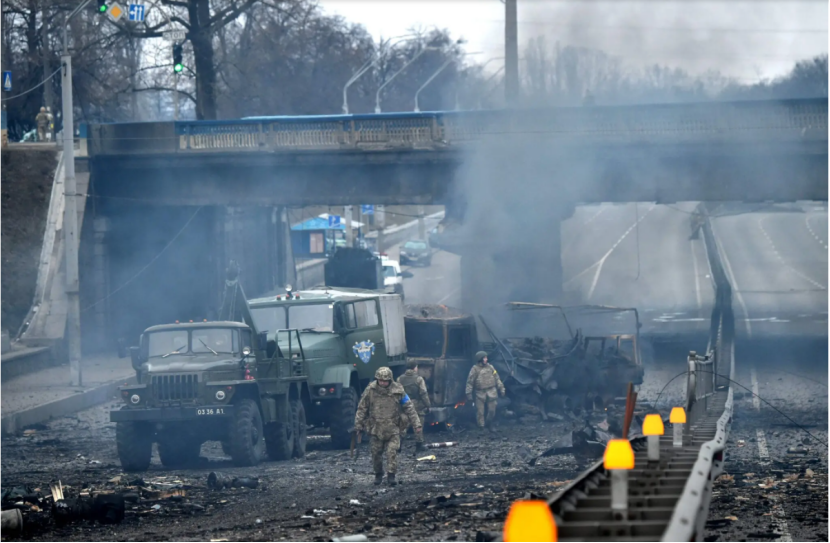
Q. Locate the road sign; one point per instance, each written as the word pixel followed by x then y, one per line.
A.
pixel 334 221
pixel 174 35
pixel 7 81
pixel 367 210
pixel 115 12
pixel 136 12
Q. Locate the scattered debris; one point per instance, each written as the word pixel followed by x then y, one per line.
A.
pixel 218 481
pixel 441 445
pixel 430 458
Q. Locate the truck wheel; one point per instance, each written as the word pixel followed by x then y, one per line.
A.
pixel 300 429
pixel 343 419
pixel 134 442
pixel 226 448
pixel 176 451
pixel 246 434
pixel 279 440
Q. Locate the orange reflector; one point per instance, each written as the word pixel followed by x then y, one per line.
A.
pixel 530 520
pixel 653 425
pixel 618 455
pixel 677 416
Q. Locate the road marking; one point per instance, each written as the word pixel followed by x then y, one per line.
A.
pixel 601 261
pixel 779 519
pixel 602 208
pixel 763 452
pixel 756 402
pixel 781 259
pixel 445 298
pixel 697 279
pixel 731 278
pixel 818 239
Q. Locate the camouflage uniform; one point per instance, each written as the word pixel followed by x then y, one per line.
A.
pixel 42 121
pixel 416 388
pixel 379 413
pixel 484 380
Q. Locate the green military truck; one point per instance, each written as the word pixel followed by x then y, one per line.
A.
pixel 213 381
pixel 344 335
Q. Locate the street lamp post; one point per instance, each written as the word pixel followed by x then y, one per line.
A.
pixel 70 216
pixel 394 75
pixel 367 66
pixel 433 76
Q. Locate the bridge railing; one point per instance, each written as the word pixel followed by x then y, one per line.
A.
pixel 788 120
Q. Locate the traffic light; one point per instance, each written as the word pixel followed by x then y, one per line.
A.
pixel 102 6
pixel 178 66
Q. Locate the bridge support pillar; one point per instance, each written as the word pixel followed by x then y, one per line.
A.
pixel 99 335
pixel 527 268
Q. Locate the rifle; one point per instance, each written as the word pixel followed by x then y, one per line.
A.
pixel 356 436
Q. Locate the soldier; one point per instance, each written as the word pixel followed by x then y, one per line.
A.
pixel 42 121
pixel 415 387
pixel 379 412
pixel 50 129
pixel 484 380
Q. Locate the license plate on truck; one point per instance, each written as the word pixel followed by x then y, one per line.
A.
pixel 211 411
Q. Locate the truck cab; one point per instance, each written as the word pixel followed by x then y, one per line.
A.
pixel 345 336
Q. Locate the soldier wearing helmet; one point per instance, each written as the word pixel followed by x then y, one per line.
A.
pixel 484 380
pixel 416 389
pixel 42 121
pixel 379 412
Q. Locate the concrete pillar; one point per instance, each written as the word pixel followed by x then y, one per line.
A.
pixel 529 270
pixel 422 233
pixel 100 279
pixel 348 218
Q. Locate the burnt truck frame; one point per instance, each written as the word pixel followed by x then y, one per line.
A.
pixel 242 395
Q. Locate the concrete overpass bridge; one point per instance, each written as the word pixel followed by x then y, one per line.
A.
pixel 526 168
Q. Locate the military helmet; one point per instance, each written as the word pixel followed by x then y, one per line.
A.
pixel 383 374
pixel 481 355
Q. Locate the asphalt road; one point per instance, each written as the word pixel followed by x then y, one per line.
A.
pixel 776 261
pixel 663 273
pixel 439 283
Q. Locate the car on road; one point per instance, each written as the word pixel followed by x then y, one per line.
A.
pixel 416 252
pixel 392 276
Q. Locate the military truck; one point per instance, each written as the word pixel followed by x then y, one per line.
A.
pixel 443 341
pixel 343 336
pixel 213 381
pixel 354 268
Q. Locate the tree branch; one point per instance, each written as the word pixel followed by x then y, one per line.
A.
pixel 168 89
pixel 227 15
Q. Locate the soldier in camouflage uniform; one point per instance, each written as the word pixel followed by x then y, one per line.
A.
pixel 484 380
pixel 42 121
pixel 416 389
pixel 379 413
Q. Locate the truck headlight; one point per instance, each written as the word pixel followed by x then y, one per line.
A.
pixel 220 395
pixel 322 391
pixel 135 398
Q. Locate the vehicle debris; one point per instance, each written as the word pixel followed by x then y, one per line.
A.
pixel 219 481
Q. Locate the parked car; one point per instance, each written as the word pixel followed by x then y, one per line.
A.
pixel 416 252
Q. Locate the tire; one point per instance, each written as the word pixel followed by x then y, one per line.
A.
pixel 300 427
pixel 246 434
pixel 177 451
pixel 279 440
pixel 134 441
pixel 343 419
pixel 226 448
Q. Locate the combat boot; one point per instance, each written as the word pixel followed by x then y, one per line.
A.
pixel 378 478
pixel 390 478
pixel 419 447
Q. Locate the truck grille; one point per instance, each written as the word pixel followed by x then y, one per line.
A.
pixel 175 387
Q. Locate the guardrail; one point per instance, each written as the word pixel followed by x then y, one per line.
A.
pixel 669 499
pixel 709 122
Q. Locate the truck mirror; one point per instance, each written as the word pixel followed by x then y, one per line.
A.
pixel 263 340
pixel 135 356
pixel 407 274
pixel 122 348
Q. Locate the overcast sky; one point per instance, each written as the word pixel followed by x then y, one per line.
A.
pixel 746 40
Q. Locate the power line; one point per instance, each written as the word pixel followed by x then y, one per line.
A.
pixel 35 87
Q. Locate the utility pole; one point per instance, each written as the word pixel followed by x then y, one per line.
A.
pixel 70 214
pixel 48 97
pixel 349 235
pixel 511 54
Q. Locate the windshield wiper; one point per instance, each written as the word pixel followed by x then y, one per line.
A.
pixel 175 352
pixel 206 346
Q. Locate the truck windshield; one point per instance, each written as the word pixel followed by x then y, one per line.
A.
pixel 317 317
pixel 424 338
pixel 167 342
pixel 389 271
pixel 415 245
pixel 212 340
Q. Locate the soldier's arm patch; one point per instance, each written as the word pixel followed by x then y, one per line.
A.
pixel 404 399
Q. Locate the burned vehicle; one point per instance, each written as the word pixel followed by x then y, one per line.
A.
pixel 211 381
pixel 443 341
pixel 566 359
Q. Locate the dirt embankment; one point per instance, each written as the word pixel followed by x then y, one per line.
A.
pixel 26 186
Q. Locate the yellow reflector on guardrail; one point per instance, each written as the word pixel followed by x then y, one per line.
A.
pixel 653 425
pixel 530 520
pixel 677 416
pixel 618 455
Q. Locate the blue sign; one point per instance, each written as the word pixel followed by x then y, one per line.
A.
pixel 368 210
pixel 136 12
pixel 334 221
pixel 7 81
pixel 364 350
